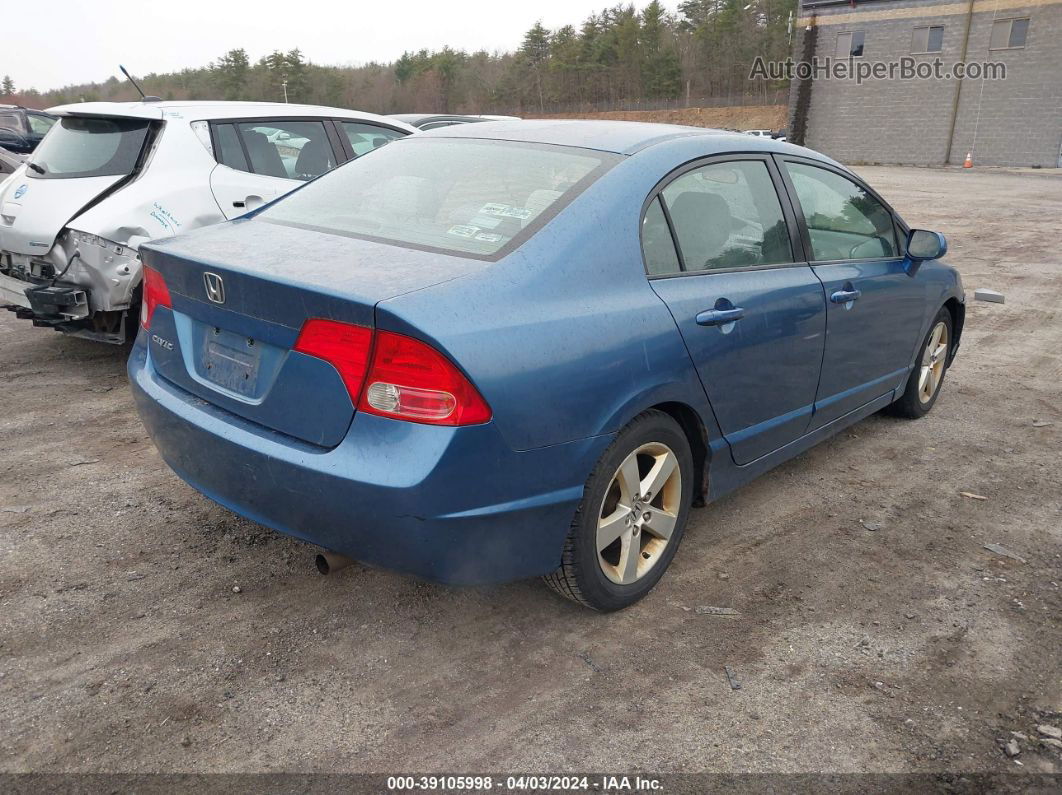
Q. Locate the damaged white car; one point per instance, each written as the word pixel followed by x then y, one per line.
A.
pixel 110 176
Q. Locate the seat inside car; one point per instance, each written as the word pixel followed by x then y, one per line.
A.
pixel 264 156
pixel 702 223
pixel 315 159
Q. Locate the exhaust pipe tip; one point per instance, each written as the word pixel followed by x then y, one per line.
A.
pixel 329 562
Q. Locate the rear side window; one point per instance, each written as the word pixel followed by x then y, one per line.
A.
pixel 366 137
pixel 844 221
pixel 10 121
pixel 90 147
pixel 657 244
pixel 276 148
pixel 727 215
pixel 229 150
pixel 39 124
pixel 462 196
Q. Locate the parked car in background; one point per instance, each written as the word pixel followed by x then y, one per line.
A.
pixel 9 161
pixel 529 348
pixel 432 121
pixel 21 129
pixel 111 176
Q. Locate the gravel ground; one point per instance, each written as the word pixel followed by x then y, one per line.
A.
pixel 143 628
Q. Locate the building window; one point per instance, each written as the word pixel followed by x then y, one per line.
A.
pixel 1009 34
pixel 850 45
pixel 930 39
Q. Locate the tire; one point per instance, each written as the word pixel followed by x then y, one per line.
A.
pixel 622 573
pixel 917 400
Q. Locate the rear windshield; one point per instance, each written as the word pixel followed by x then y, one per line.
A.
pixel 89 147
pixel 475 197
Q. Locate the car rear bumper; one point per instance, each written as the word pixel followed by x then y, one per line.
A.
pixel 453 505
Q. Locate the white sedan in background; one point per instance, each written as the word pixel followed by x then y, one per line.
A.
pixel 110 176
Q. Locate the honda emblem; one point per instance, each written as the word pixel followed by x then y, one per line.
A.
pixel 215 287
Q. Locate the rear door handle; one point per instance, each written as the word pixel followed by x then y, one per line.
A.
pixel 844 296
pixel 719 317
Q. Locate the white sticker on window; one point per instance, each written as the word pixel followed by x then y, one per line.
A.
pixel 489 237
pixel 505 211
pixel 463 230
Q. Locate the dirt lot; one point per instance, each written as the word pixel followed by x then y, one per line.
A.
pixel 751 117
pixel 125 645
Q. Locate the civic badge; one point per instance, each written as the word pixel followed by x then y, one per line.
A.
pixel 215 287
pixel 20 191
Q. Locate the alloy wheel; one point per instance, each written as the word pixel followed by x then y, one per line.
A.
pixel 638 513
pixel 934 357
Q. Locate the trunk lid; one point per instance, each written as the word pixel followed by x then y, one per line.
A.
pixel 236 352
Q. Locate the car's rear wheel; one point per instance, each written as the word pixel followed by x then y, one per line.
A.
pixel 631 518
pixel 927 376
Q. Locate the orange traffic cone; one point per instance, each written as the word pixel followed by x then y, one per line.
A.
pixel 968 162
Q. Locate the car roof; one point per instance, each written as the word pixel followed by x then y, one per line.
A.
pixel 22 107
pixel 193 110
pixel 620 137
pixel 420 119
pixel 416 118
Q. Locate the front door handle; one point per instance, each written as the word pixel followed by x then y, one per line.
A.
pixel 719 317
pixel 846 295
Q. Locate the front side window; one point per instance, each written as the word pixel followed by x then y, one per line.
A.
pixel 850 44
pixel 1009 34
pixel 928 39
pixel 287 149
pixel 458 196
pixel 366 137
pixel 81 146
pixel 844 221
pixel 727 215
pixel 10 121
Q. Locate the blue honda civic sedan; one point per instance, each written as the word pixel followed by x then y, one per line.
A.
pixel 512 349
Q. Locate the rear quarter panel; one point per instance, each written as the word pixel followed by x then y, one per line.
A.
pixel 171 196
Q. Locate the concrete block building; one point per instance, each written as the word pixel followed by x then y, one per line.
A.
pixel 1016 121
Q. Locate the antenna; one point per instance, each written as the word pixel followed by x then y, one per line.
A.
pixel 129 77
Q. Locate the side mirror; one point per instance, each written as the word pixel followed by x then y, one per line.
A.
pixel 922 245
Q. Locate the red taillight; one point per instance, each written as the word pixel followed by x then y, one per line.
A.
pixel 155 294
pixel 406 378
pixel 343 345
pixel 410 380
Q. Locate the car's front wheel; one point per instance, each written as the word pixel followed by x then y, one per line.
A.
pixel 631 518
pixel 927 376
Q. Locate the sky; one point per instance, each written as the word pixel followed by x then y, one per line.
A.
pixel 63 42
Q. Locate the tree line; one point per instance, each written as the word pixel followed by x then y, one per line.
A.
pixel 619 55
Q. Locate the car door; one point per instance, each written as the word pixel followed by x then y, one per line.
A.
pixel 260 160
pixel 722 251
pixel 874 309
